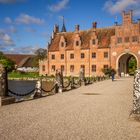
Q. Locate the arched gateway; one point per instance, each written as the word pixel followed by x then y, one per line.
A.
pixel 126 64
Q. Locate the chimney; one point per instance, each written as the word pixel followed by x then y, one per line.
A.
pixel 127 17
pixel 56 28
pixel 77 28
pixel 94 25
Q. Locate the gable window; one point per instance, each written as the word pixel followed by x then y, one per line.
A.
pixel 105 54
pixel 62 56
pixel 93 55
pixel 93 41
pixel 93 68
pixel 119 40
pixel 105 66
pixel 77 43
pixel 134 38
pixel 126 39
pixel 53 68
pixel 82 55
pixel 71 56
pixel 71 68
pixel 62 67
pixel 53 56
pixel 62 44
pixel 43 68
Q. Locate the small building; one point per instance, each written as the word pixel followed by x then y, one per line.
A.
pixel 24 62
pixel 94 49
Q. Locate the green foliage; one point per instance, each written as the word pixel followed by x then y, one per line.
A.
pixel 132 65
pixel 41 54
pixel 7 62
pixel 108 71
pixel 15 74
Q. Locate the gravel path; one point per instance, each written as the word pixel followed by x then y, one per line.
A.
pixel 96 112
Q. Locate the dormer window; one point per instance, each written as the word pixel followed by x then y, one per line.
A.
pixel 62 44
pixel 93 41
pixel 77 43
pixel 77 40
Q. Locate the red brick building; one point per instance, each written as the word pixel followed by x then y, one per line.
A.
pixel 94 49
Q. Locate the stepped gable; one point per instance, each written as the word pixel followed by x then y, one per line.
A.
pixel 103 36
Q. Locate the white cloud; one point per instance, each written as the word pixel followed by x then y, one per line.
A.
pixel 62 4
pixel 23 49
pixel 10 29
pixel 27 19
pixel 117 6
pixel 6 40
pixel 10 1
pixel 30 30
pixel 8 20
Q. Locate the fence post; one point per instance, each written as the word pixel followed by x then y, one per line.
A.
pixel 72 82
pixel 3 81
pixel 136 93
pixel 59 81
pixel 38 91
pixel 82 77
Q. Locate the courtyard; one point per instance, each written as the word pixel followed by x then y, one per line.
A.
pixel 99 111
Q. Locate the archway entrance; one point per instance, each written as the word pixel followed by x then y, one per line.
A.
pixel 127 64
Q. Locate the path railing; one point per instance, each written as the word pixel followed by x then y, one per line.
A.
pixel 70 84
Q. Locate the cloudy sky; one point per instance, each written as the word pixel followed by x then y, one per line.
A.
pixel 26 25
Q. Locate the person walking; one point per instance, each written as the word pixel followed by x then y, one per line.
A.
pixel 112 74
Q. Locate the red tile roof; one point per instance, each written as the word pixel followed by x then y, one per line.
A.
pixel 103 35
pixel 18 58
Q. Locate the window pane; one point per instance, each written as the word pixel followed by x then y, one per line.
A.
pixel 119 40
pixel 126 39
pixel 82 55
pixel 53 68
pixel 134 39
pixel 83 67
pixel 53 56
pixel 62 56
pixel 62 44
pixel 77 43
pixel 94 55
pixel 93 68
pixel 43 68
pixel 71 56
pixel 71 68
pixel 62 68
pixel 93 41
pixel 105 54
pixel 105 66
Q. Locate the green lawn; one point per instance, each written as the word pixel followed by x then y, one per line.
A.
pixel 23 75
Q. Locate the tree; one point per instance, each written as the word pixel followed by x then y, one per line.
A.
pixel 7 62
pixel 132 65
pixel 41 53
pixel 108 71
